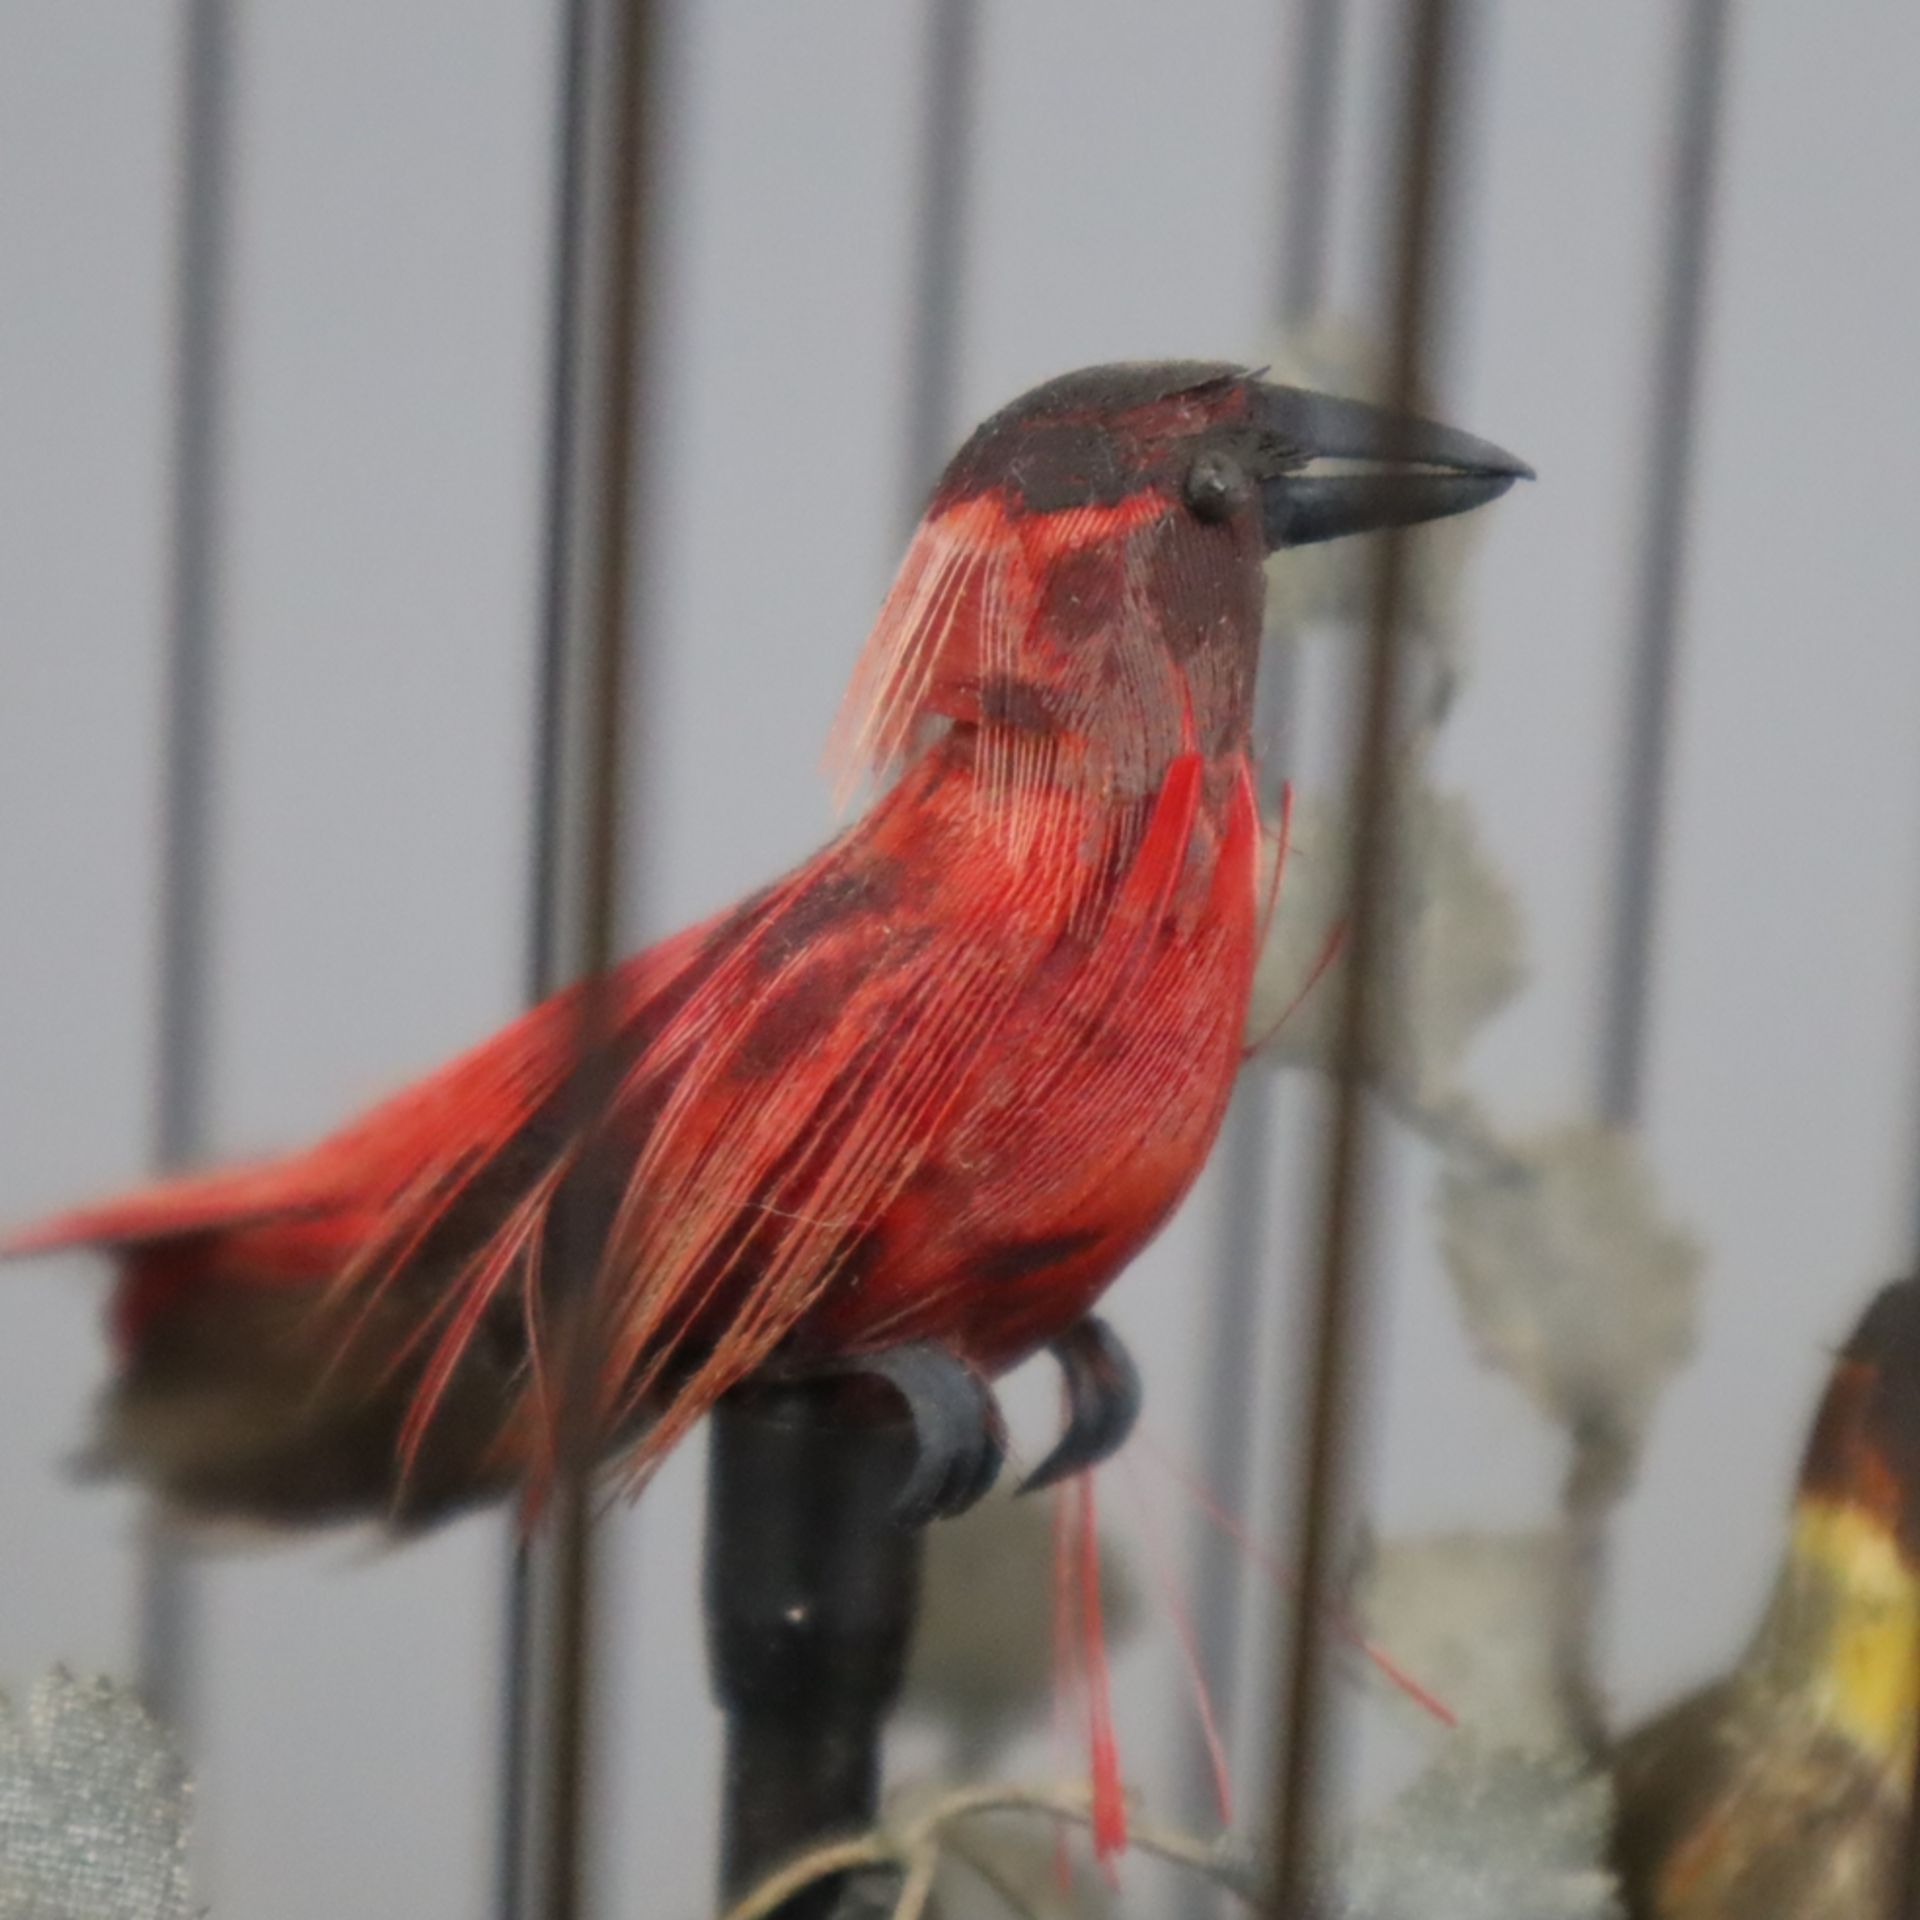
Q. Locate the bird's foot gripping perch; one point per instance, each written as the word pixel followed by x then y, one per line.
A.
pixel 1103 1401
pixel 959 1436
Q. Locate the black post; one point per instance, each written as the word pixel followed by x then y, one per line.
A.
pixel 812 1589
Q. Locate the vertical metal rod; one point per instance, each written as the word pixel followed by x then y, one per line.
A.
pixel 1339 1326
pixel 952 70
pixel 1600 1456
pixel 544 969
pixel 1671 432
pixel 608 520
pixel 594 518
pixel 1230 1436
pixel 1312 114
pixel 166 1610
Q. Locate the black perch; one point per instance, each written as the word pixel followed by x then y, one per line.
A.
pixel 812 1589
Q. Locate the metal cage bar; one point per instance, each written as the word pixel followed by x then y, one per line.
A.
pixel 590 653
pixel 1233 1430
pixel 1433 37
pixel 1646 753
pixel 1672 421
pixel 544 970
pixel 944 197
pixel 165 1600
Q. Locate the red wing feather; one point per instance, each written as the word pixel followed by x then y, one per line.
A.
pixel 874 1091
pixel 786 1147
pixel 810 1072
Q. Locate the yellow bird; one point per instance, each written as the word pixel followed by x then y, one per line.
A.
pixel 1782 1790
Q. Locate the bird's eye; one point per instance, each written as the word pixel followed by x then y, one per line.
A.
pixel 1217 486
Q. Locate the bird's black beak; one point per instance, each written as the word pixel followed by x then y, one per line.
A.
pixel 1407 470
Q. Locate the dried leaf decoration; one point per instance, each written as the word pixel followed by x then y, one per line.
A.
pixel 1473 1613
pixel 1573 1280
pixel 1485 1834
pixel 1456 937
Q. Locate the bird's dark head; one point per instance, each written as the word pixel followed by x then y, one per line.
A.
pixel 1219 444
pixel 1864 1452
pixel 1844 1631
pixel 1090 569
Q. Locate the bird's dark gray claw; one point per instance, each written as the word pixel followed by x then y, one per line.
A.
pixel 960 1435
pixel 1103 1401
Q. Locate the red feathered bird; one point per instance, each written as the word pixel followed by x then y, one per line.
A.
pixel 909 1109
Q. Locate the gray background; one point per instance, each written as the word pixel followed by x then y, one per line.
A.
pixel 378 603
